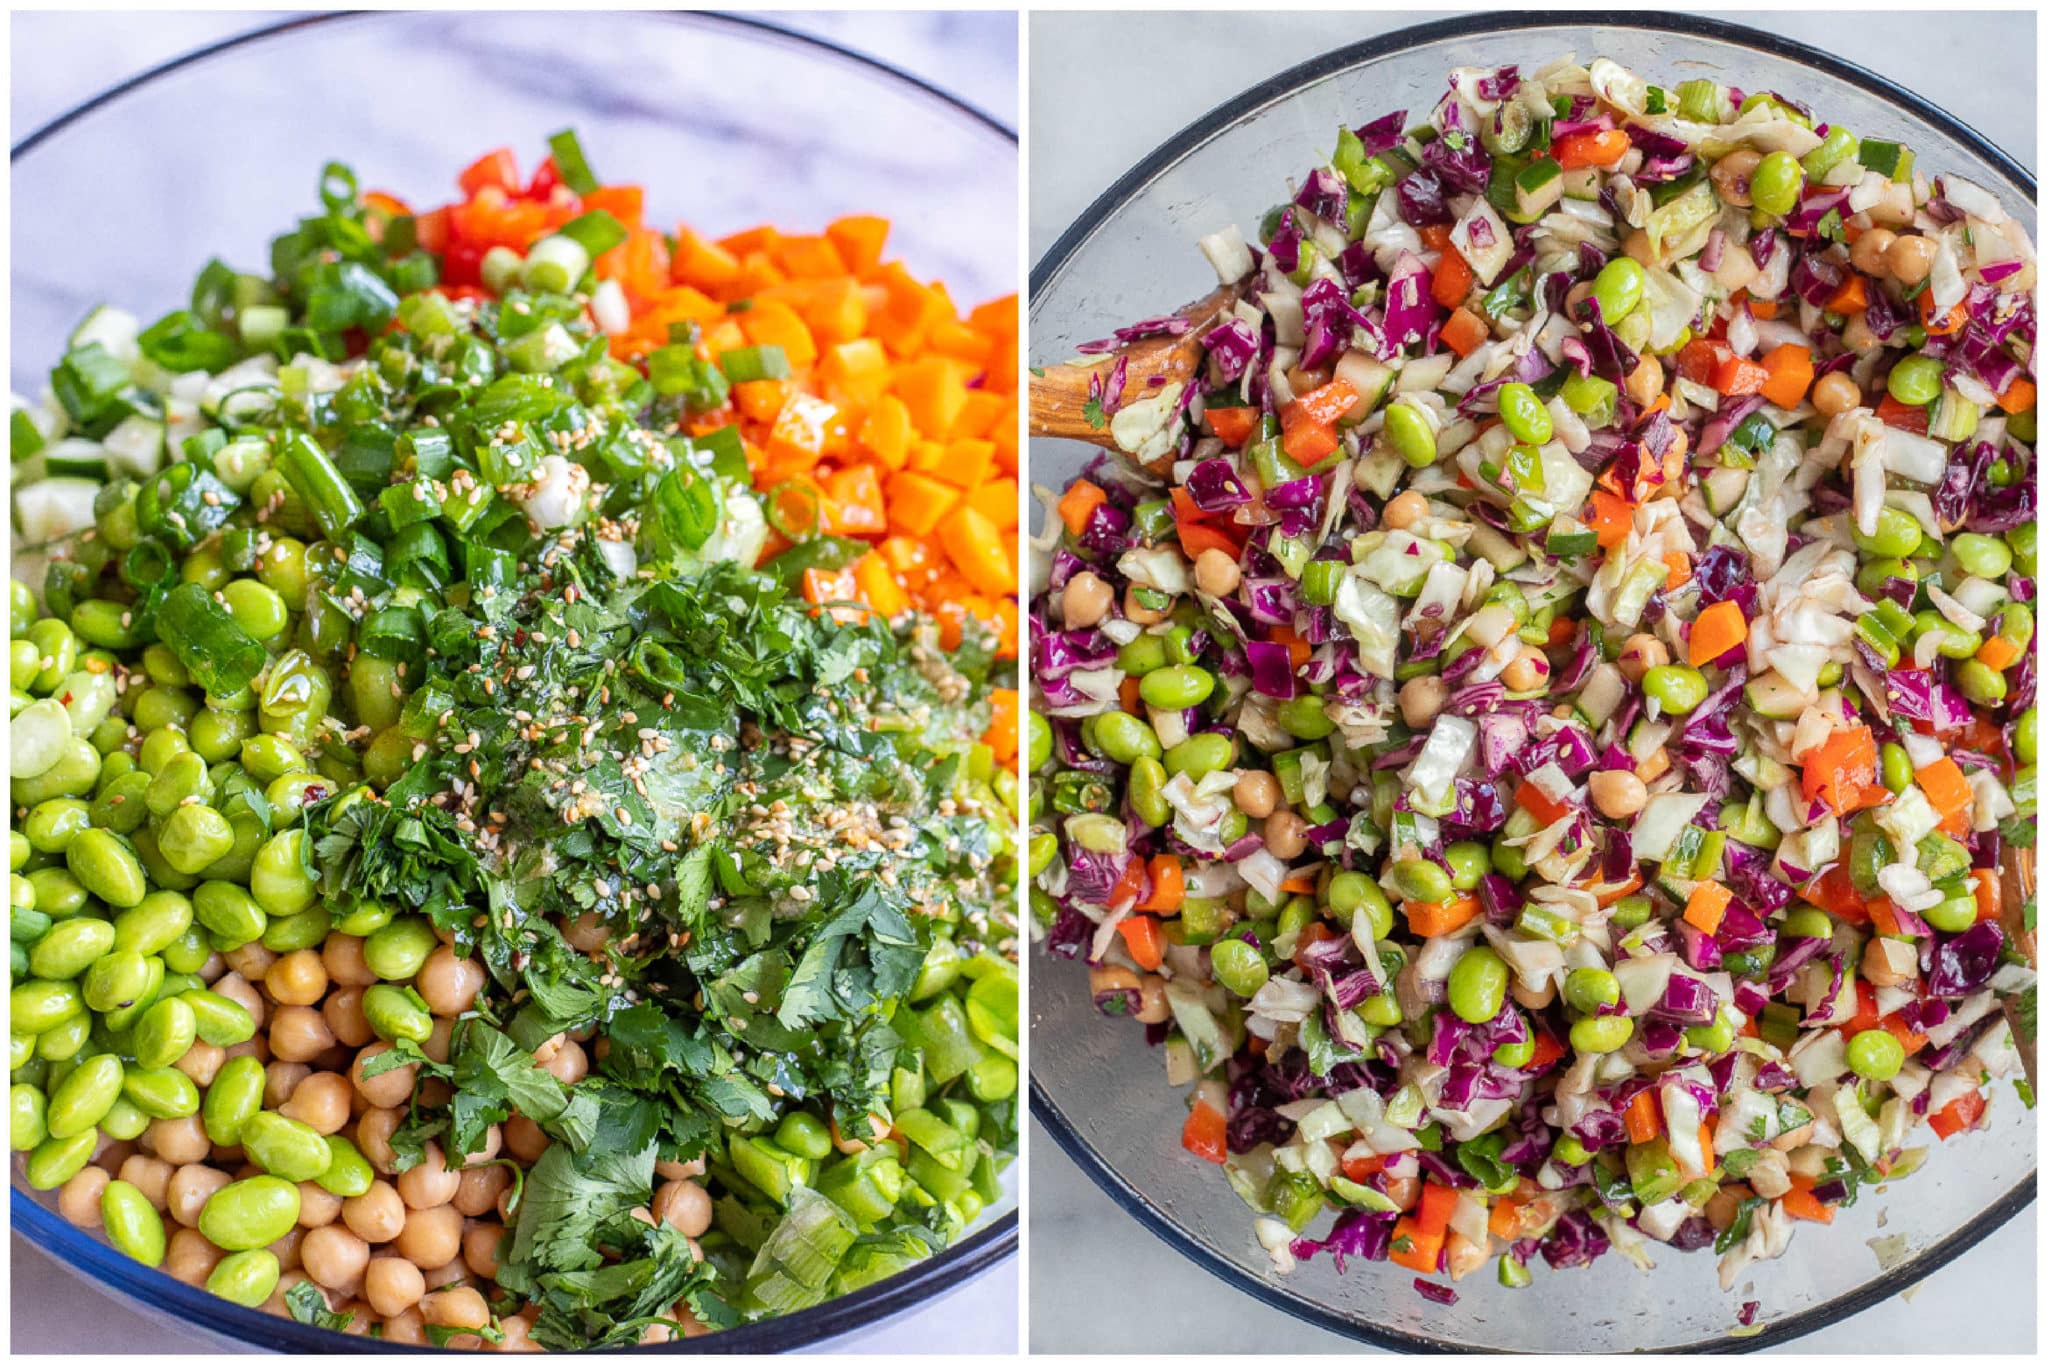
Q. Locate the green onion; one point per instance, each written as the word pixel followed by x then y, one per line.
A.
pixel 221 657
pixel 749 363
pixel 570 164
pixel 313 477
pixel 596 232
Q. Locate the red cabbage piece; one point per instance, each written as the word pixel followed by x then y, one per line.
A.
pixel 1816 279
pixel 1358 1232
pixel 1272 600
pixel 1612 359
pixel 1480 809
pixel 1790 960
pixel 1748 874
pixel 1576 1241
pixel 1215 487
pixel 1434 1292
pixel 1686 1000
pixel 1456 156
pixel 1332 324
pixel 1420 200
pixel 1741 929
pixel 1720 573
pixel 1804 220
pixel 1272 669
pixel 1501 84
pixel 1383 134
pixel 1919 695
pixel 1959 482
pixel 1964 962
pixel 1070 934
pixel 1501 898
pixel 1105 530
pixel 1285 244
pixel 1411 312
pixel 1761 246
pixel 1171 326
pixel 1059 652
pixel 1697 947
pixel 1234 347
pixel 1325 195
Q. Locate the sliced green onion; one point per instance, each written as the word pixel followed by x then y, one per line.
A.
pixel 570 163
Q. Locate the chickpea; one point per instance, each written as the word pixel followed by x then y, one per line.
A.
pixel 1138 611
pixel 1152 1006
pixel 108 1154
pixel 297 978
pixel 151 1175
pixel 587 933
pixel 1421 698
pixel 334 1257
pixel 1284 834
pixel 190 1257
pixel 1835 393
pixel 1403 510
pixel 1645 383
pixel 480 1249
pixel 478 1192
pixel 1868 255
pixel 321 1102
pixel 1533 999
pixel 681 1170
pixel 78 1198
pixel 431 1238
pixel 280 1080
pixel 299 1034
pixel 393 1284
pixel 179 1141
pixel 343 1011
pixel 317 1207
pixel 213 968
pixel 1256 793
pixel 1639 654
pixel 1731 175
pixel 438 1042
pixel 407 1328
pixel 430 1183
pixel 202 1062
pixel 1084 601
pixel 1725 1204
pixel 570 1064
pixel 1910 258
pixel 1216 572
pixel 1527 671
pixel 685 1206
pixel 515 1331
pixel 389 1088
pixel 342 956
pixel 252 960
pixel 455 1272
pixel 236 987
pixel 287 1247
pixel 188 1189
pixel 1618 793
pixel 1108 980
pixel 449 984
pixel 1857 336
pixel 525 1138
pixel 373 1138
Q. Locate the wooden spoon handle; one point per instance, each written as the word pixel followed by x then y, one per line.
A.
pixel 1058 406
pixel 2016 888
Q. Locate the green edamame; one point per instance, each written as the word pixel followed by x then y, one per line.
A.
pixel 1618 288
pixel 1238 966
pixel 1176 687
pixel 132 1223
pixel 1523 414
pixel 1586 989
pixel 85 1096
pixel 1876 1055
pixel 1418 879
pixel 1411 435
pixel 398 950
pixel 219 1020
pixel 249 1214
pixel 1602 1033
pixel 285 1147
pixel 162 1093
pixel 1675 688
pixel 234 1097
pixel 246 1277
pixel 1478 984
pixel 107 867
pixel 348 1172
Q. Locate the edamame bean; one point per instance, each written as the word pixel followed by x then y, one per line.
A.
pixel 230 912
pixel 1146 791
pixel 1675 688
pixel 219 1020
pixel 1469 863
pixel 37 738
pixel 1096 833
pixel 397 951
pixel 282 879
pixel 153 923
pixel 234 1097
pixel 1895 767
pixel 803 1134
pixel 85 1096
pixel 1603 1033
pixel 163 1093
pixel 27 1121
pixel 1979 682
pixel 194 838
pixel 73 774
pixel 1354 893
pixel 1304 718
pixel 1807 922
pixel 165 1033
pixel 107 867
pixel 1876 1055
pixel 1418 879
pixel 269 757
pixel 58 894
pixel 1523 414
pixel 1586 989
pixel 348 1172
pixel 1409 432
pixel 109 625
pixel 188 951
pixel 1478 984
pixel 285 1147
pixel 1124 738
pixel 307 929
pixel 1618 288
pixel 124 1122
pixel 251 1213
pixel 2026 737
pixel 1142 655
pixel 35 1007
pixel 1953 914
pixel 393 1012
pixel 1897 535
pixel 1981 555
pixel 117 979
pixel 246 1277
pixel 1238 966
pixel 1516 1055
pixel 1775 184
pixel 53 824
pixel 1200 755
pixel 70 947
pixel 57 1159
pixel 1915 380
pixel 365 918
pixel 131 1223
pixel 256 608
pixel 122 804
pixel 1176 687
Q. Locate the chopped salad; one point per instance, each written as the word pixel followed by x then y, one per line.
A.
pixel 1545 762
pixel 512 829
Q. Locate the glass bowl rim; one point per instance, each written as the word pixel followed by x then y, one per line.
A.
pixel 863 1308
pixel 1047 270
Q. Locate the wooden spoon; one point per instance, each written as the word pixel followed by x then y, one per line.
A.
pixel 1060 393
pixel 2016 888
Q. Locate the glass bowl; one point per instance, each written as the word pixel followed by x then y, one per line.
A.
pixel 1099 1090
pixel 727 122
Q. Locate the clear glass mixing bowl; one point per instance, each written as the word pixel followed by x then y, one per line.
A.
pixel 1095 1085
pixel 727 122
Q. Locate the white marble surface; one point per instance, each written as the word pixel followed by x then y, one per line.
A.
pixel 60 60
pixel 1094 112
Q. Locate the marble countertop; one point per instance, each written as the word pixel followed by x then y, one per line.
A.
pixel 62 59
pixel 1091 118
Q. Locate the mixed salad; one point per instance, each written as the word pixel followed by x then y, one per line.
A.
pixel 513 797
pixel 1543 762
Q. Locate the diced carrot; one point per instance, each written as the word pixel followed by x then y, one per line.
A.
pixel 1716 630
pixel 886 432
pixel 1948 791
pixel 1001 737
pixel 807 257
pixel 979 415
pixel 1464 332
pixel 1233 426
pixel 1840 768
pixel 497 168
pixel 1798 1202
pixel 1325 405
pixel 1538 803
pixel 1434 919
pixel 623 202
pixel 1196 537
pixel 1998 653
pixel 772 323
pixel 976 548
pixel 935 392
pixel 1206 1131
pixel 1602 147
pixel 1763 309
pixel 853 505
pixel 859 239
pixel 1298 649
pixel 1359 1169
pixel 878 586
pixel 1706 905
pixel 1168 887
pixel 997 500
pixel 1078 504
pixel 1852 297
pixel 762 399
pixel 1413 1249
pixel 1984 885
pixel 1791 374
pixel 1677 570
pixel 1452 280
pixel 1960 1115
pixel 1949 322
pixel 1433 1211
pixel 1642 1118
pixel 1142 937
pixel 1909 1040
pixel 917 502
pixel 1735 377
pixel 797 439
pixel 1435 236
pixel 2018 396
pixel 706 265
pixel 1706 1141
pixel 1611 517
